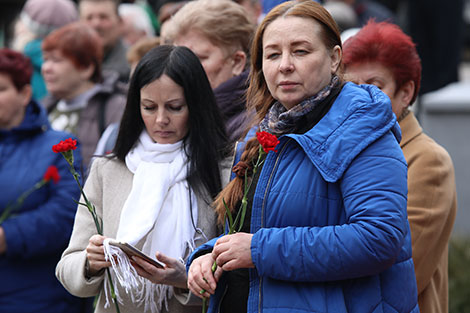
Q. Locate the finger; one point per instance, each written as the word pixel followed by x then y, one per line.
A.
pixel 97 240
pixel 142 272
pixel 168 261
pixel 197 282
pixel 143 265
pixel 218 273
pixel 195 288
pixel 230 265
pixel 219 249
pixel 223 258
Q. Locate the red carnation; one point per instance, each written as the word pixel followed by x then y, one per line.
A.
pixel 65 145
pixel 267 141
pixel 52 174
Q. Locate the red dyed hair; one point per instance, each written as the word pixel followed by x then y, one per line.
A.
pixel 80 44
pixel 388 45
pixel 17 66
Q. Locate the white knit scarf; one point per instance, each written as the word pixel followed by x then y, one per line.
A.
pixel 157 211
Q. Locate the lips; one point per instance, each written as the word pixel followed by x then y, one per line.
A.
pixel 163 134
pixel 286 85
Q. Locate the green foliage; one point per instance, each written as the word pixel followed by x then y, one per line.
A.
pixel 459 275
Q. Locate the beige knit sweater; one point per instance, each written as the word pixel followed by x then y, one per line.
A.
pixel 107 187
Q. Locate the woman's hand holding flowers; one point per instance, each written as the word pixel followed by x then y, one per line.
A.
pixel 201 277
pixel 232 252
pixel 95 255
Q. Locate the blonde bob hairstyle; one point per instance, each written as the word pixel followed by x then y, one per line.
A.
pixel 224 22
pixel 258 95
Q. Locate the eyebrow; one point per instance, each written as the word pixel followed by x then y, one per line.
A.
pixel 294 44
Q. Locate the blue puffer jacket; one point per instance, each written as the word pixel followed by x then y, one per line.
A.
pixel 39 233
pixel 329 216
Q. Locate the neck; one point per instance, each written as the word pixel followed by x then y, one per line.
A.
pixel 403 115
pixel 85 86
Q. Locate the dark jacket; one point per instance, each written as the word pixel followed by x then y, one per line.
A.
pixel 39 233
pixel 231 100
pixel 329 222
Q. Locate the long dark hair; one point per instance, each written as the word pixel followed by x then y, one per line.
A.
pixel 206 142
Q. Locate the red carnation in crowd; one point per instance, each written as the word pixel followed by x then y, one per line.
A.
pixel 267 140
pixel 52 174
pixel 65 145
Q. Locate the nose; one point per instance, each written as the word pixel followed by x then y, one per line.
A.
pixel 286 64
pixel 45 67
pixel 162 118
pixel 94 22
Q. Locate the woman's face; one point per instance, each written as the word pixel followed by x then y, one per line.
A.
pixel 12 102
pixel 219 66
pixel 296 62
pixel 63 80
pixel 164 110
pixel 374 73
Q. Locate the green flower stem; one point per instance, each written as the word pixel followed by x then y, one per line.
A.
pixel 68 155
pixel 19 202
pixel 240 218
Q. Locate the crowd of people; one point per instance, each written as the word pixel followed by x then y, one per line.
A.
pixel 351 210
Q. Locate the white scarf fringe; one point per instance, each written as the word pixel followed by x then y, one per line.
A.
pixel 137 287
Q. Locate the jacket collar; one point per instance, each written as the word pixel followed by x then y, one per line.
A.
pixel 410 129
pixel 359 116
pixel 35 120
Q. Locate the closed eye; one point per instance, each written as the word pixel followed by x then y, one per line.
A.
pixel 148 108
pixel 271 56
pixel 301 52
pixel 176 108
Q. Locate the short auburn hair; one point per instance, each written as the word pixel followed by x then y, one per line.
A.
pixel 17 66
pixel 388 45
pixel 79 43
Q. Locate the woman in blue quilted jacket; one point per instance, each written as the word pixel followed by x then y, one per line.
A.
pixel 33 235
pixel 326 227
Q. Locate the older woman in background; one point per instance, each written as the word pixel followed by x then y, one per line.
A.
pixel 381 54
pixel 32 236
pixel 326 228
pixel 83 100
pixel 219 32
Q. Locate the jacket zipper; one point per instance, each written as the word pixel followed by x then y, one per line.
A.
pixel 262 212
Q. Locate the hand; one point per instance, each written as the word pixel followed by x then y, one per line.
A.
pixel 3 241
pixel 233 251
pixel 95 255
pixel 200 276
pixel 174 272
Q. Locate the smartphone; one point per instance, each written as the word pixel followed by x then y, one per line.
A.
pixel 130 250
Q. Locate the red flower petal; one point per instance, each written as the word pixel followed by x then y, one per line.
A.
pixel 65 145
pixel 52 173
pixel 267 140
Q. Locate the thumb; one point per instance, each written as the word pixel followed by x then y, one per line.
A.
pixel 168 261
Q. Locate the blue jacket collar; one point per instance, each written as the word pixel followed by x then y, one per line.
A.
pixel 359 116
pixel 35 119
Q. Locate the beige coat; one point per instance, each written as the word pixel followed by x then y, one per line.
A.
pixel 107 187
pixel 432 206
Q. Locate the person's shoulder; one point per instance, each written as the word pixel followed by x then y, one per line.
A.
pixel 428 151
pixel 55 136
pixel 108 163
pixel 361 95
